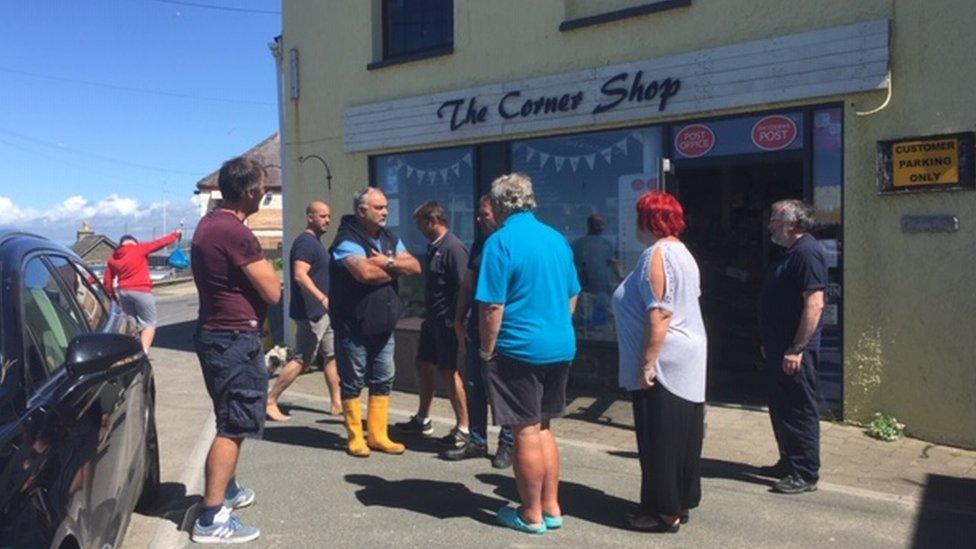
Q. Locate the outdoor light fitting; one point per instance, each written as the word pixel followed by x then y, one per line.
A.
pixel 328 172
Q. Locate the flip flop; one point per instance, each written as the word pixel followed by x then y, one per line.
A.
pixel 551 522
pixel 509 516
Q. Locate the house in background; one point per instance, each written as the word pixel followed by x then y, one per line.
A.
pixel 95 249
pixel 267 222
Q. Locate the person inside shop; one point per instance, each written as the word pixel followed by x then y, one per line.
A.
pixel 663 352
pixel 599 272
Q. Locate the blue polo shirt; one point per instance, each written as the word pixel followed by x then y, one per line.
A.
pixel 527 266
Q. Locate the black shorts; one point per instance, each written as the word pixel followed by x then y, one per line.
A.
pixel 237 380
pixel 437 344
pixel 525 394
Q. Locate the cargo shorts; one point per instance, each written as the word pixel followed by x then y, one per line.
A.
pixel 237 380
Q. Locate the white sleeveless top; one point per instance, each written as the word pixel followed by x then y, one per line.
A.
pixel 682 363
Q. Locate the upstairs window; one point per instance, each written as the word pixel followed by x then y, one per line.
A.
pixel 416 26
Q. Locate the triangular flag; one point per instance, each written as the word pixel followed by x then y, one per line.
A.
pixel 573 162
pixel 529 153
pixel 607 154
pixel 543 158
pixel 559 162
pixel 457 168
pixel 466 159
pixel 623 146
pixel 444 174
pixel 638 136
pixel 590 159
pixel 421 174
pixel 410 170
pixel 433 176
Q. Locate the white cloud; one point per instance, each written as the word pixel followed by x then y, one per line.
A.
pixel 11 214
pixel 111 216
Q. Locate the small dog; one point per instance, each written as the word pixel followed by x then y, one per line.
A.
pixel 278 356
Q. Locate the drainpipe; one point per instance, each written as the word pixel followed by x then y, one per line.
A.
pixel 276 51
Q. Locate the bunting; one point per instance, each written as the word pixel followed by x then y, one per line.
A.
pixel 431 176
pixel 619 148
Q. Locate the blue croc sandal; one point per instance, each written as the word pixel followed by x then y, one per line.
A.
pixel 509 516
pixel 551 522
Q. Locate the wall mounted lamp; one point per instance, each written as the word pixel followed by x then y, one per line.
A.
pixel 328 172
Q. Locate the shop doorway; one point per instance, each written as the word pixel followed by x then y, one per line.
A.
pixel 727 209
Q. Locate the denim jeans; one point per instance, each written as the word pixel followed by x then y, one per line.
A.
pixel 474 385
pixel 364 361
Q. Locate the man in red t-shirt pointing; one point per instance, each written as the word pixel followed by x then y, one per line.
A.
pixel 130 264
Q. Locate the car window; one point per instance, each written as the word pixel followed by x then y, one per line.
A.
pixel 49 315
pixel 90 295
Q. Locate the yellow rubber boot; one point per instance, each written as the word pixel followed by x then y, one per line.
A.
pixel 377 415
pixel 353 412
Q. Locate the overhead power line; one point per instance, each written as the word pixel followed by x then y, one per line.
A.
pixel 97 156
pixel 218 8
pixel 134 89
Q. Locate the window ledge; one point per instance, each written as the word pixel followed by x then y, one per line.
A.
pixel 411 57
pixel 626 13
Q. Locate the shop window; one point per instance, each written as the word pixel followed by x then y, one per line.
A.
pixel 828 178
pixel 416 26
pixel 409 180
pixel 586 187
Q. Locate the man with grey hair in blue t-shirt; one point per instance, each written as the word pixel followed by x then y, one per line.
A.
pixel 527 288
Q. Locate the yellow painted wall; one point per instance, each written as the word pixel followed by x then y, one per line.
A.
pixel 911 299
pixel 913 291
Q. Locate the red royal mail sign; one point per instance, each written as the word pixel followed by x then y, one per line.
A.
pixel 694 140
pixel 773 133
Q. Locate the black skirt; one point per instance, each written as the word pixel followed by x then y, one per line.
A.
pixel 669 441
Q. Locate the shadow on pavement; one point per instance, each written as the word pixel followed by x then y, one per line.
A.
pixel 433 498
pixel 946 514
pixel 300 435
pixel 172 503
pixel 178 337
pixel 288 408
pixel 579 501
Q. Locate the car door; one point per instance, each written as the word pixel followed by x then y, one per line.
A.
pixel 79 418
pixel 130 417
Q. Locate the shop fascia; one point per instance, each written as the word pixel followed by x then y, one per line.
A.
pixel 806 66
pixel 618 89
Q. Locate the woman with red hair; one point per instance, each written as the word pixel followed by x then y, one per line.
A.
pixel 662 363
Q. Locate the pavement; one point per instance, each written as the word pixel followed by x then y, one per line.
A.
pixel 907 493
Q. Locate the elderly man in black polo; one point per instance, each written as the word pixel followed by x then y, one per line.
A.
pixel 790 307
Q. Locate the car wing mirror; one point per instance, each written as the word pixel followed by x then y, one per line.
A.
pixel 93 353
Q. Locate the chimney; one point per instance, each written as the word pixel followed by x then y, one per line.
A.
pixel 84 231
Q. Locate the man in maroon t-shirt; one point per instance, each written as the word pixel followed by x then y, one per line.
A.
pixel 235 284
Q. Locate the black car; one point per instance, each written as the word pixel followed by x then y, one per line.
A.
pixel 78 448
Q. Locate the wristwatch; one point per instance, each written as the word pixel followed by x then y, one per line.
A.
pixel 485 355
pixel 390 262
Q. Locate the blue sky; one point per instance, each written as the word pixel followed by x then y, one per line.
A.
pixel 112 109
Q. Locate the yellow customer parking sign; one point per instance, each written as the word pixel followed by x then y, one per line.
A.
pixel 938 162
pixel 926 162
